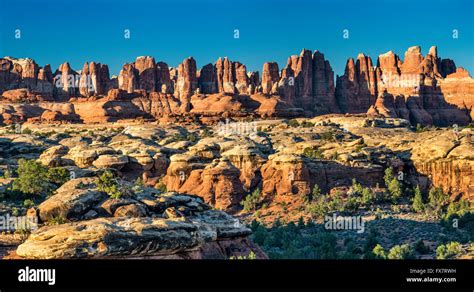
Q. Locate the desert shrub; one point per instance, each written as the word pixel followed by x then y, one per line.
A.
pixel 108 183
pixel 26 131
pixel 463 212
pixel 418 205
pixel 365 196
pixel 379 252
pixel 313 153
pixel 56 220
pixel 420 128
pixel 319 206
pixel 400 252
pixel 315 193
pixel 307 124
pixel 28 203
pixel 206 133
pixel 328 136
pixel 293 123
pixel 250 256
pixel 58 175
pixel 7 173
pixel 161 186
pixel 32 178
pixel 448 250
pixel 176 138
pixel 370 243
pixel 458 209
pixel 324 204
pixel 250 203
pixel 336 203
pixel 437 200
pixel 191 137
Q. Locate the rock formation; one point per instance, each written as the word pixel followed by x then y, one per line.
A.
pixel 186 84
pixel 425 90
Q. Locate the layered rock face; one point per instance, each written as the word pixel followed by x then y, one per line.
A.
pixel 94 79
pixel 307 82
pixel 25 73
pixel 186 84
pixel 356 89
pixel 145 224
pixel 270 77
pixel 225 77
pixel 409 89
pixel 144 74
pixel 425 90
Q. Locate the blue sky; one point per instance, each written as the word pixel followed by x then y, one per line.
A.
pixel 55 31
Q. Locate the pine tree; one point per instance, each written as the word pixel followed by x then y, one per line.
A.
pixel 418 205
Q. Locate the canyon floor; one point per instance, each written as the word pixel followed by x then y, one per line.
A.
pixel 241 189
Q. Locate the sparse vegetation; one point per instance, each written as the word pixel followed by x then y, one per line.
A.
pixel 327 136
pixel 251 202
pixel 56 220
pixel 307 124
pixel 449 250
pixel 379 252
pixel 26 131
pixel 28 203
pixel 293 123
pixel 292 241
pixel 437 200
pixel 109 184
pixel 58 175
pixel 250 256
pixel 400 252
pixel 313 153
pixel 32 178
pixel 161 186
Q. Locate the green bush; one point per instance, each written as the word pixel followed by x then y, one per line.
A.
pixel 307 124
pixel 250 256
pixel 324 204
pixel 32 178
pixel 400 252
pixel 437 200
pixel 379 252
pixel 293 123
pixel 26 131
pixel 57 220
pixel 328 136
pixel 191 137
pixel 313 153
pixel 250 203
pixel 365 196
pixel 319 206
pixel 7 173
pixel 448 250
pixel 28 203
pixel 109 184
pixel 463 212
pixel 315 193
pixel 161 186
pixel 58 175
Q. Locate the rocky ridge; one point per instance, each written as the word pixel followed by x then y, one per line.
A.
pixel 425 90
